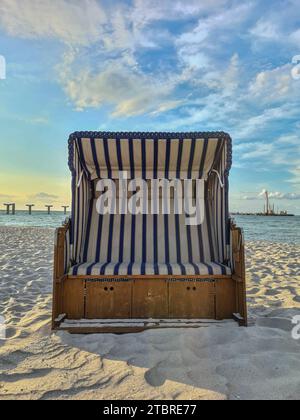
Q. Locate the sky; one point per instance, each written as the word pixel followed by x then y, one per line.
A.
pixel 150 65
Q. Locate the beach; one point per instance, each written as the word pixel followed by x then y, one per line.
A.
pixel 219 361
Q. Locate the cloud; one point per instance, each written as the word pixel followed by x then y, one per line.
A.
pixel 78 22
pixel 266 30
pixel 277 26
pixel 147 11
pixel 256 125
pixel 129 91
pixel 273 195
pixel 209 26
pixel 43 196
pixel 8 197
pixel 275 85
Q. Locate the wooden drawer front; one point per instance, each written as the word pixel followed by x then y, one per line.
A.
pixel 108 300
pixel 150 299
pixel 190 300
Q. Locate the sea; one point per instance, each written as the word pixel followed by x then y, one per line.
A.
pixel 256 228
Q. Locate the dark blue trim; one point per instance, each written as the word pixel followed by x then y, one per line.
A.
pixel 167 244
pixel 209 227
pixel 133 226
pixel 144 236
pixel 210 269
pixel 200 242
pixel 223 269
pixel 119 154
pixel 131 157
pixel 88 230
pixel 99 237
pixel 190 249
pixel 155 244
pixel 109 246
pixel 179 158
pixel 192 155
pixel 203 158
pixel 177 231
pixel 107 160
pixel 94 153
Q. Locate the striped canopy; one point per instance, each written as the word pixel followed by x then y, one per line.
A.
pixel 149 155
pixel 94 156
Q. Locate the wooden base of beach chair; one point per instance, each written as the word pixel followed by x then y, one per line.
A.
pixel 122 326
pixel 120 304
pixel 88 301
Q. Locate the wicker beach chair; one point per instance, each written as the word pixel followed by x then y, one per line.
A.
pixel 124 272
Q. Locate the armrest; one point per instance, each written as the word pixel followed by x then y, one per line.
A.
pixel 238 250
pixel 62 254
pixel 239 270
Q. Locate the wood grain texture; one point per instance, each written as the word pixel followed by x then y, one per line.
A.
pixel 191 300
pixel 108 300
pixel 150 299
pixel 73 298
pixel 225 299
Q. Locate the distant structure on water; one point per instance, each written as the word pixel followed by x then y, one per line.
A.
pixel 12 206
pixel 269 210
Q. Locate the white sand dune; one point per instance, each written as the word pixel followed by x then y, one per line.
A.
pixel 215 362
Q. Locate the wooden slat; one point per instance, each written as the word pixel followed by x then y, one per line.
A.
pixel 73 298
pixel 150 299
pixel 108 300
pixel 225 299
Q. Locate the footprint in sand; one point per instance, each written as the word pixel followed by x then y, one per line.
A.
pixel 154 378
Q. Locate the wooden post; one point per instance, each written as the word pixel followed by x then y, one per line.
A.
pixel 30 208
pixel 49 208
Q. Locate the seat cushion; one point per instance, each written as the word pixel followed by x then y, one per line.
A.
pixel 123 269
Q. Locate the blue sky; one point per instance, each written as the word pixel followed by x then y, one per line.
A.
pixel 167 65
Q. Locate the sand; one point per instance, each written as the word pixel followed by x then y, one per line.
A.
pixel 216 362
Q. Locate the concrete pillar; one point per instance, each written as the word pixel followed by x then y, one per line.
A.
pixel 30 208
pixel 12 206
pixel 49 208
pixel 65 209
pixel 7 207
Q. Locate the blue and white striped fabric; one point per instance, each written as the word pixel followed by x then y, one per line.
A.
pixel 149 244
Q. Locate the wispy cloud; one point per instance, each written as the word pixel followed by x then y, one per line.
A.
pixel 77 22
pixel 273 195
pixel 44 197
